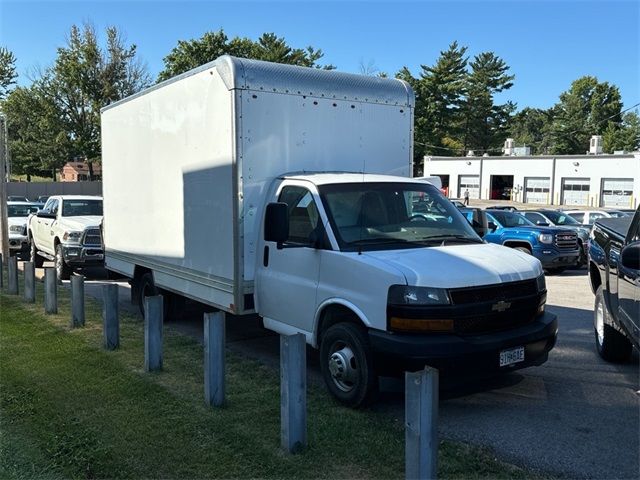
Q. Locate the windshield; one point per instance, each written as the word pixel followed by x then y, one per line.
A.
pixel 77 208
pixel 21 210
pixel 559 218
pixel 509 219
pixel 393 215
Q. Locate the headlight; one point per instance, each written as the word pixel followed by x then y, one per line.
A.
pixel 406 295
pixel 541 282
pixel 16 228
pixel 546 238
pixel 71 236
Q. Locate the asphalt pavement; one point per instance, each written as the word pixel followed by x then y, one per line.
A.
pixel 575 416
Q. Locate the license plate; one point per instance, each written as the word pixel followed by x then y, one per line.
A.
pixel 511 356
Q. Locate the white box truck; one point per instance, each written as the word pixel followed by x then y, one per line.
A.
pixel 285 191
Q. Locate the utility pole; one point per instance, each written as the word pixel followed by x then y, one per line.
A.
pixel 4 223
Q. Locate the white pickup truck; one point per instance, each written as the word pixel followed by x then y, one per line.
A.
pixel 67 231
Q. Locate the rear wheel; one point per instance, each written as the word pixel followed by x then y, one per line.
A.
pixel 146 288
pixel 347 364
pixel 612 345
pixel 62 269
pixel 37 260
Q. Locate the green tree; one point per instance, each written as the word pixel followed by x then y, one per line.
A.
pixel 485 123
pixel 38 142
pixel 623 137
pixel 86 77
pixel 189 54
pixel 530 127
pixel 7 71
pixel 584 110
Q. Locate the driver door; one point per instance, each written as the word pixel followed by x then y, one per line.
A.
pixel 287 278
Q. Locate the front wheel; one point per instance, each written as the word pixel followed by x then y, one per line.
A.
pixel 612 345
pixel 347 364
pixel 37 260
pixel 62 269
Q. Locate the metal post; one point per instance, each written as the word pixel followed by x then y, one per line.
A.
pixel 110 319
pixel 214 362
pixel 1 270
pixel 153 313
pixel 50 291
pixel 77 301
pixel 421 424
pixel 13 275
pixel 29 282
pixel 293 392
pixel 4 220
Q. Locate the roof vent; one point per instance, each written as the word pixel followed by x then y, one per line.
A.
pixel 509 147
pixel 595 146
pixel 471 153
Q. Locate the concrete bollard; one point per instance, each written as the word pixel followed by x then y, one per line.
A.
pixel 110 318
pixel 12 265
pixel 214 361
pixel 50 291
pixel 293 392
pixel 29 282
pixel 77 301
pixel 421 424
pixel 153 319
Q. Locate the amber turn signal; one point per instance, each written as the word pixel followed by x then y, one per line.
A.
pixel 420 325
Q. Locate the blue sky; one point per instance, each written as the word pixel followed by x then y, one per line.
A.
pixel 547 44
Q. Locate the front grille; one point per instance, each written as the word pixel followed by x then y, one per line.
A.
pixel 92 237
pixel 566 241
pixel 520 313
pixel 489 293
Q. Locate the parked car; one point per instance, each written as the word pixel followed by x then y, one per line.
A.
pixel 458 203
pixel 378 271
pixel 18 212
pixel 67 231
pixel 555 247
pixel 17 198
pixel 614 274
pixel 509 208
pixel 43 199
pixel 588 217
pixel 558 218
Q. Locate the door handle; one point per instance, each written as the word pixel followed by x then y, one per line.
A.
pixel 265 256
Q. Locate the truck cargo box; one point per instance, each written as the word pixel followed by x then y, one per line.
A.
pixel 186 164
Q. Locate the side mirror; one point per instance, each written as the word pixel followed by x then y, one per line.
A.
pixel 43 214
pixel 630 256
pixel 276 223
pixel 542 224
pixel 479 222
pixel 492 226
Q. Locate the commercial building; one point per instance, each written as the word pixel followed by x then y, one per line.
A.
pixel 594 180
pixel 78 171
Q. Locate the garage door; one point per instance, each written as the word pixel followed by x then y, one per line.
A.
pixel 575 191
pixel 471 183
pixel 536 190
pixel 616 192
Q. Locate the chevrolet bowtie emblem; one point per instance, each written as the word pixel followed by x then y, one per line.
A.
pixel 500 306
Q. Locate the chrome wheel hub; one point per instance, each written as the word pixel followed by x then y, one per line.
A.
pixel 600 323
pixel 343 368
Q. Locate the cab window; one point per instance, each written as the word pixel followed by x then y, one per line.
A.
pixel 303 214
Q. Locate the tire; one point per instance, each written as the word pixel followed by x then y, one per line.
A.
pixel 37 260
pixel 146 288
pixel 347 364
pixel 62 269
pixel 523 249
pixel 582 258
pixel 612 345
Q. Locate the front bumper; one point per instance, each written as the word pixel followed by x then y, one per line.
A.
pixel 469 354
pixel 18 243
pixel 83 255
pixel 552 258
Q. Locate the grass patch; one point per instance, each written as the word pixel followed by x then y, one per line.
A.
pixel 69 409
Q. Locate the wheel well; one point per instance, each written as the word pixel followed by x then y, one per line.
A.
pixel 56 241
pixel 335 313
pixel 518 244
pixel 138 271
pixel 594 277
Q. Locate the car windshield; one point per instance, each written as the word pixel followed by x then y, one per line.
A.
pixel 77 208
pixel 510 219
pixel 560 218
pixel 21 210
pixel 617 214
pixel 374 216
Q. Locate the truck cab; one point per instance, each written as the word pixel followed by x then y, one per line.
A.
pixel 384 274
